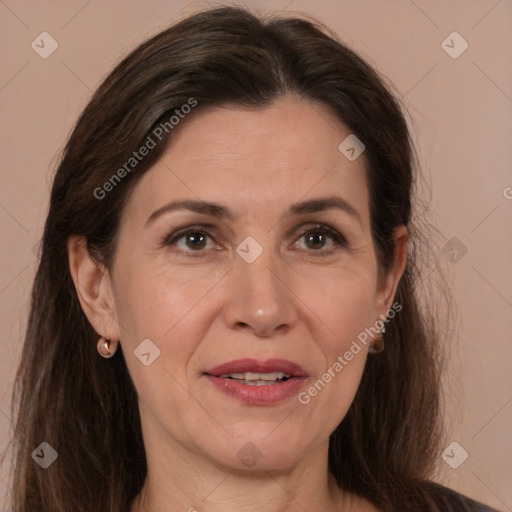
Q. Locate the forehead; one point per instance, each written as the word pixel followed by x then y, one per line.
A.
pixel 256 159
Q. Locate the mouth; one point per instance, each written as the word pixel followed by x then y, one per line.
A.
pixel 258 382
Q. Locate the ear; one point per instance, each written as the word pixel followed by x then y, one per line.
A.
pixel 388 282
pixel 94 288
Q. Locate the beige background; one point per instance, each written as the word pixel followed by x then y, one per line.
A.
pixel 461 110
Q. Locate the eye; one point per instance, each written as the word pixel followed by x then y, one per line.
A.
pixel 194 239
pixel 316 237
pixel 190 240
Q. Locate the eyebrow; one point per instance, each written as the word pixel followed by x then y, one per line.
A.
pixel 222 212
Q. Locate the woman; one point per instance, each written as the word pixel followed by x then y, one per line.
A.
pixel 229 244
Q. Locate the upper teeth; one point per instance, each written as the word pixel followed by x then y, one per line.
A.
pixel 256 376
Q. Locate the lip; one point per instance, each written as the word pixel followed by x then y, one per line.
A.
pixel 257 366
pixel 258 395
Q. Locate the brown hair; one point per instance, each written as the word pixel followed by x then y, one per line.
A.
pixel 384 449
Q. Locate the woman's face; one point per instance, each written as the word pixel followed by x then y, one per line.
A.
pixel 268 273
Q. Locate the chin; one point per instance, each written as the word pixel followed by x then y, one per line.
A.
pixel 253 453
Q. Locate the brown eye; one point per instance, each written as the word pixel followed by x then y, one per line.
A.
pixel 189 241
pixel 316 238
pixel 195 240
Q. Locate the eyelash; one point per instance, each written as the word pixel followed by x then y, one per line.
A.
pixel 339 239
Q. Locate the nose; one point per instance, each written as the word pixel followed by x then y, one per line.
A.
pixel 260 299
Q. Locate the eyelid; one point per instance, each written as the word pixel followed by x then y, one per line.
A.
pixel 186 228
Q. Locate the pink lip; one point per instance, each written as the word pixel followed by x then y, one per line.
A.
pixel 258 395
pixel 255 366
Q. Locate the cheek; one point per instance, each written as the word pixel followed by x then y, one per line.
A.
pixel 341 300
pixel 153 296
pixel 343 304
pixel 159 306
pixel 165 305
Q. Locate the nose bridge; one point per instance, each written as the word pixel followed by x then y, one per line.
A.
pixel 260 298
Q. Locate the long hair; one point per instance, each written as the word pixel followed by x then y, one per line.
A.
pixel 384 449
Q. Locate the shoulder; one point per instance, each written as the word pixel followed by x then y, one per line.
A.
pixel 450 500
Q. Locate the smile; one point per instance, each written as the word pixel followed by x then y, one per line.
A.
pixel 256 382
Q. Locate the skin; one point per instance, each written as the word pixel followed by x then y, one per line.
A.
pixel 290 303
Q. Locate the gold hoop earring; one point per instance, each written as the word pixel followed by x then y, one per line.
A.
pixel 106 348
